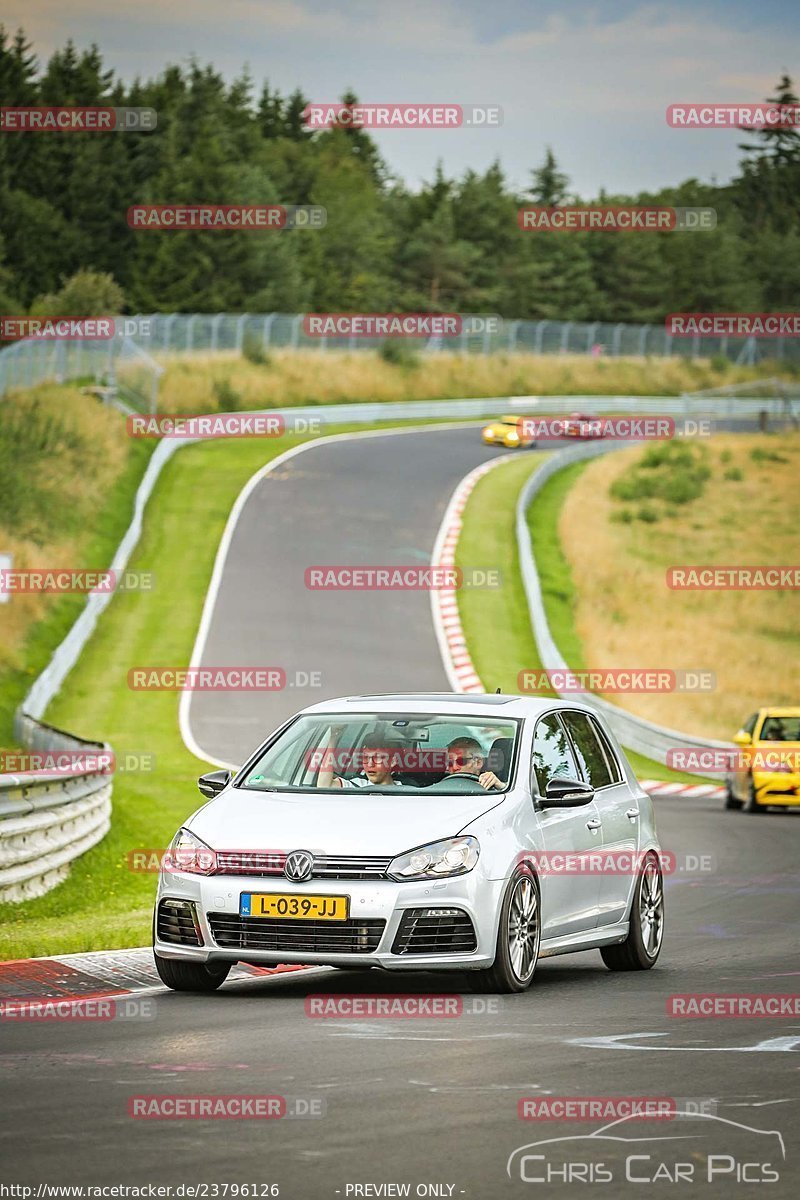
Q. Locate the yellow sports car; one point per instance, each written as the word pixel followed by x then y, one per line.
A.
pixel 509 432
pixel 767 768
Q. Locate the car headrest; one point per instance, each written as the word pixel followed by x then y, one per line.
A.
pixel 499 757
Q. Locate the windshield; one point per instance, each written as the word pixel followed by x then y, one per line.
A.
pixel 387 753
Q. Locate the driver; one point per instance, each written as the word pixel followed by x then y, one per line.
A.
pixel 378 756
pixel 465 757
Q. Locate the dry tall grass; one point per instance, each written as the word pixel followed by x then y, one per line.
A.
pixel 64 451
pixel 627 617
pixel 220 382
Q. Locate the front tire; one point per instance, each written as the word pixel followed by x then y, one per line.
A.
pixel 752 804
pixel 518 937
pixel 730 800
pixel 184 976
pixel 641 948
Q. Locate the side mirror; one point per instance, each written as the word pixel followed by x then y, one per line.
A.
pixel 213 783
pixel 742 738
pixel 566 793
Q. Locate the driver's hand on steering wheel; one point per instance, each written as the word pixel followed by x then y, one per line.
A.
pixel 489 780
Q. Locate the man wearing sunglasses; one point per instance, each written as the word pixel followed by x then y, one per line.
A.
pixel 465 757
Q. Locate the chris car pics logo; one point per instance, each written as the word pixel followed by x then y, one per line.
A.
pixel 696 1147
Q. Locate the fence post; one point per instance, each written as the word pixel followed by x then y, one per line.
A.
pixel 295 338
pixel 240 331
pixel 643 340
pixel 565 336
pixel 537 341
pixel 615 341
pixel 267 330
pixel 215 324
pixel 169 321
pixel 513 331
pixel 190 332
pixel 591 335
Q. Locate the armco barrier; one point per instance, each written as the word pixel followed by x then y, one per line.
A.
pixel 46 821
pixel 633 732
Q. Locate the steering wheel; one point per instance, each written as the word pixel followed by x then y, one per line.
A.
pixel 448 781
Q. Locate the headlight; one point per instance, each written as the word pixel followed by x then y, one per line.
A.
pixel 453 856
pixel 512 437
pixel 188 853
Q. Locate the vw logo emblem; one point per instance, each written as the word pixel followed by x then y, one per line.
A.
pixel 298 865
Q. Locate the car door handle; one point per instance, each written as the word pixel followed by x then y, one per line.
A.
pixel 633 813
pixel 595 823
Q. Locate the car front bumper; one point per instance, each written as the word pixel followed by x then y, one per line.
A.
pixel 776 787
pixel 378 900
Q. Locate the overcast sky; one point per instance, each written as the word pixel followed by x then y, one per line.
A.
pixel 592 78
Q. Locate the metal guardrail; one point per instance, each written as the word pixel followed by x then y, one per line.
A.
pixel 645 737
pixel 47 820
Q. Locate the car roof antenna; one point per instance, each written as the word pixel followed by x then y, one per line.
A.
pixel 497 691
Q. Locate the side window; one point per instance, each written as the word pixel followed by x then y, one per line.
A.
pixel 613 762
pixel 552 755
pixel 588 749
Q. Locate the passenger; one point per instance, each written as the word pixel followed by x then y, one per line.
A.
pixel 465 757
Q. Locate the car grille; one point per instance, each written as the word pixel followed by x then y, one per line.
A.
pixel 246 862
pixel 434 931
pixel 305 937
pixel 176 923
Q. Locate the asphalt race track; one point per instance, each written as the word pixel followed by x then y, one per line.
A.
pixel 365 501
pixel 425 1101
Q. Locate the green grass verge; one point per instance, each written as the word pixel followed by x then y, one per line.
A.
pixel 495 621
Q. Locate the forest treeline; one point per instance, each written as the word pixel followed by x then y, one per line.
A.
pixel 453 245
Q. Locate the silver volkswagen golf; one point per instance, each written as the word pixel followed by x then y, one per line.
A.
pixel 417 832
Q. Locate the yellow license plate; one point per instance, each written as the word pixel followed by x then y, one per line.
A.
pixel 293 908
